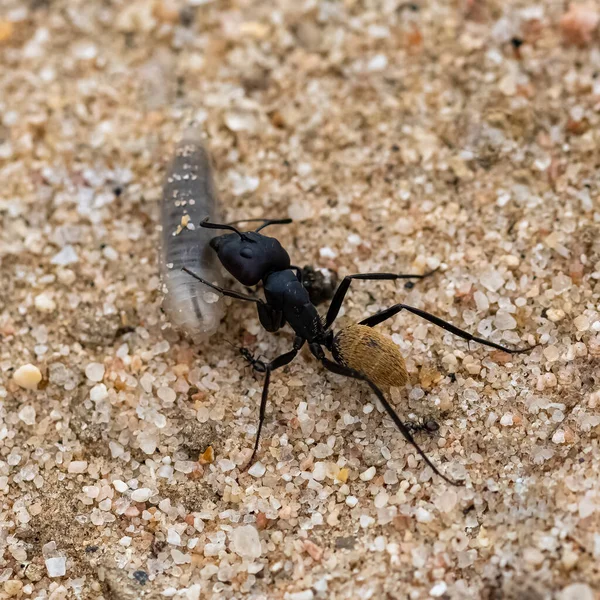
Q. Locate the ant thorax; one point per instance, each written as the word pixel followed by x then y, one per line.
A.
pixel 286 294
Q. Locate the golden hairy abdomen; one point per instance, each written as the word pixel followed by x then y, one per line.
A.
pixel 366 350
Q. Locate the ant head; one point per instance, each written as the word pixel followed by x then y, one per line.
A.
pixel 250 256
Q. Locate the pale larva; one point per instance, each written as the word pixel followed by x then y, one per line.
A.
pixel 189 196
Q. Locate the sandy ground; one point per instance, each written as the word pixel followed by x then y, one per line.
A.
pixel 400 137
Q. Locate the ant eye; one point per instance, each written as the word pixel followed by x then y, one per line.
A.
pixel 246 253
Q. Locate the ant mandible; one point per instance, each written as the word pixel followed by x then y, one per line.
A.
pixel 359 351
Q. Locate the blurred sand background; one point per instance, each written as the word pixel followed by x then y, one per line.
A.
pixel 400 136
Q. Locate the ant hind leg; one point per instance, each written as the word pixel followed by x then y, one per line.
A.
pixel 404 430
pixel 387 313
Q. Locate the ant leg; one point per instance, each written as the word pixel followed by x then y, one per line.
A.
pixel 298 272
pixel 394 310
pixel 220 290
pixel 342 290
pixel 276 363
pixel 404 430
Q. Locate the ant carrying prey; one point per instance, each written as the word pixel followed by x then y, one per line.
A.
pixel 359 351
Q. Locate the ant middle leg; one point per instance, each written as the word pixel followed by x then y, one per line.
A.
pixel 342 290
pixel 276 363
pixel 387 313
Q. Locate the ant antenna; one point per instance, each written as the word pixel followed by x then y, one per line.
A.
pixel 265 222
pixel 273 222
pixel 207 225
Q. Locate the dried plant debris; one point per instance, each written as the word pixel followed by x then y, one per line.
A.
pixel 400 137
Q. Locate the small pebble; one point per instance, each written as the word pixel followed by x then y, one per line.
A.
pixel 120 486
pixel 446 501
pixel 305 595
pixel 77 466
pixel 378 63
pixel 423 515
pixel 27 414
pixel 504 321
pixel 245 542
pixel 492 280
pixel 141 495
pixel 316 552
pixel 368 474
pixel 13 587
pixel 579 22
pixel 577 591
pixel 257 469
pixel 6 30
pixel 555 314
pixel 300 211
pixel 28 376
pixel 44 303
pixel 179 557
pixel 551 353
pixel 237 120
pixel 98 393
pixel 342 475
pixel 173 537
pixel 587 507
pixel 207 457
pixel 438 590
pixel 95 371
pixel 351 501
pixel 57 566
pixel 67 256
pixel 381 499
pixel 166 394
pixel 582 323
pixel 533 556
pixel 226 465
pixel 34 572
pixel 319 471
pixel 366 521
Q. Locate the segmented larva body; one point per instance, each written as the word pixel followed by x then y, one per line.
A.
pixel 366 350
pixel 189 196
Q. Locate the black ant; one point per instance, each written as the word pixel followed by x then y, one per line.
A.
pixel 359 351
pixel 425 425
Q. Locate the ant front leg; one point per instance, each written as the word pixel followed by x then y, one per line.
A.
pixel 277 363
pixel 340 293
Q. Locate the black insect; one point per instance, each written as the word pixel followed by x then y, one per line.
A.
pixel 425 425
pixel 359 351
